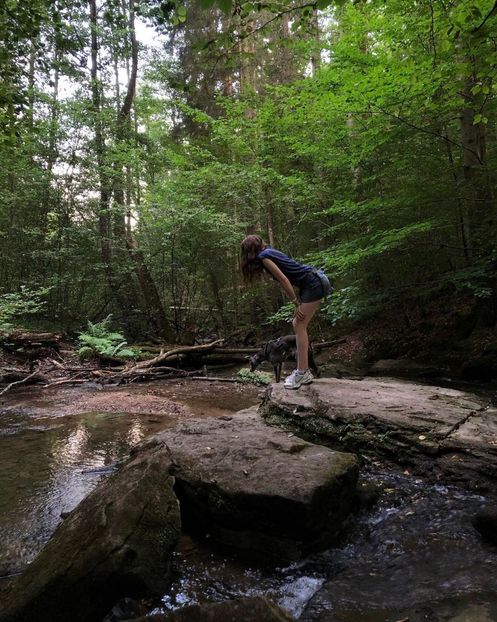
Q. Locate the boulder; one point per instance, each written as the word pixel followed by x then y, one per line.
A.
pixel 256 609
pixel 116 543
pixel 409 423
pixel 258 489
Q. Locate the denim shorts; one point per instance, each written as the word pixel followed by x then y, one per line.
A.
pixel 315 286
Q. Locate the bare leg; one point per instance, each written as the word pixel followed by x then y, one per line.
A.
pixel 300 328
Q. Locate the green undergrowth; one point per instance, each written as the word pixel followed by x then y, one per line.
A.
pixel 259 378
pixel 100 340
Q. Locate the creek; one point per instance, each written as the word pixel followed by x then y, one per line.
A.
pixel 415 550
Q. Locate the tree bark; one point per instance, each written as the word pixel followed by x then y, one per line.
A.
pixel 481 207
pixel 104 181
pixel 123 231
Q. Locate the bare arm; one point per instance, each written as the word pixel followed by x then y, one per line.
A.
pixel 286 285
pixel 282 280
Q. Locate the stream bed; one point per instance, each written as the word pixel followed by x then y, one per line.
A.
pixel 413 556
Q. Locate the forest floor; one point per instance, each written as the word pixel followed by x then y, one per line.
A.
pixel 448 337
pixel 452 335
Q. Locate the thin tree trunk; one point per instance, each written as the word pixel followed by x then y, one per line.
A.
pixel 31 81
pixel 155 309
pixel 481 207
pixel 104 181
pixel 462 213
pixel 316 36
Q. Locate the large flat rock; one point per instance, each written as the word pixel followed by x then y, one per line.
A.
pixel 258 489
pixel 402 420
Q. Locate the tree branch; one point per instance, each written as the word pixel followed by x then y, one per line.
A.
pixel 489 15
pixel 12 384
pixel 425 130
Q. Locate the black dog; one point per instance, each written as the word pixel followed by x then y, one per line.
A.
pixel 279 350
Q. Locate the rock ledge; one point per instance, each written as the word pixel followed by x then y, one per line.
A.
pixel 410 423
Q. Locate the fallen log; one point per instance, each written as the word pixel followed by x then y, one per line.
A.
pixel 27 339
pixel 215 352
pixel 212 351
pixel 237 350
pixel 175 351
pixel 152 371
pixel 328 344
pixel 215 379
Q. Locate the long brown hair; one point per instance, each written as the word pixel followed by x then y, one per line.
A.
pixel 251 267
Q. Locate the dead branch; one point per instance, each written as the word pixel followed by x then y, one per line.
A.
pixel 214 379
pixel 65 381
pixel 56 363
pixel 13 384
pixel 180 350
pixel 328 344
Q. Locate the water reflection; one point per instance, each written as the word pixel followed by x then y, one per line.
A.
pixel 69 450
pixel 49 465
pixel 135 434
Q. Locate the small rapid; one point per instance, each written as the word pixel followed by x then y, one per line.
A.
pixel 416 548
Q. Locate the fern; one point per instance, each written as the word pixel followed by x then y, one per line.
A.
pixel 98 340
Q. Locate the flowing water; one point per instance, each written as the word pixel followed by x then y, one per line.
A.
pixel 414 555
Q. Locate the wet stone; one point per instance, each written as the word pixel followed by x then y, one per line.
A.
pixel 257 609
pixel 116 543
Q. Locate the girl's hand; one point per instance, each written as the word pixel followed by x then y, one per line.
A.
pixel 299 314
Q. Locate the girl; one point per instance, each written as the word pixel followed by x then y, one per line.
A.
pixel 312 284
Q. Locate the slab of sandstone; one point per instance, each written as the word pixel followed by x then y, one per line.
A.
pixel 257 488
pixel 403 420
pixel 117 542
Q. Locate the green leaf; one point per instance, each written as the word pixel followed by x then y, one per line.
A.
pixel 225 6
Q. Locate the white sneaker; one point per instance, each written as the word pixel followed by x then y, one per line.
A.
pixel 296 379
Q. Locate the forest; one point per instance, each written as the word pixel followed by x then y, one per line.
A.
pixel 142 139
pixel 150 468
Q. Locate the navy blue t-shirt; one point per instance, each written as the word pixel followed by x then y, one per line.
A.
pixel 294 271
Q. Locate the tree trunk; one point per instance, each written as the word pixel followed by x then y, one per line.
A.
pixel 104 181
pixel 154 307
pixel 148 288
pixel 316 35
pixel 481 207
